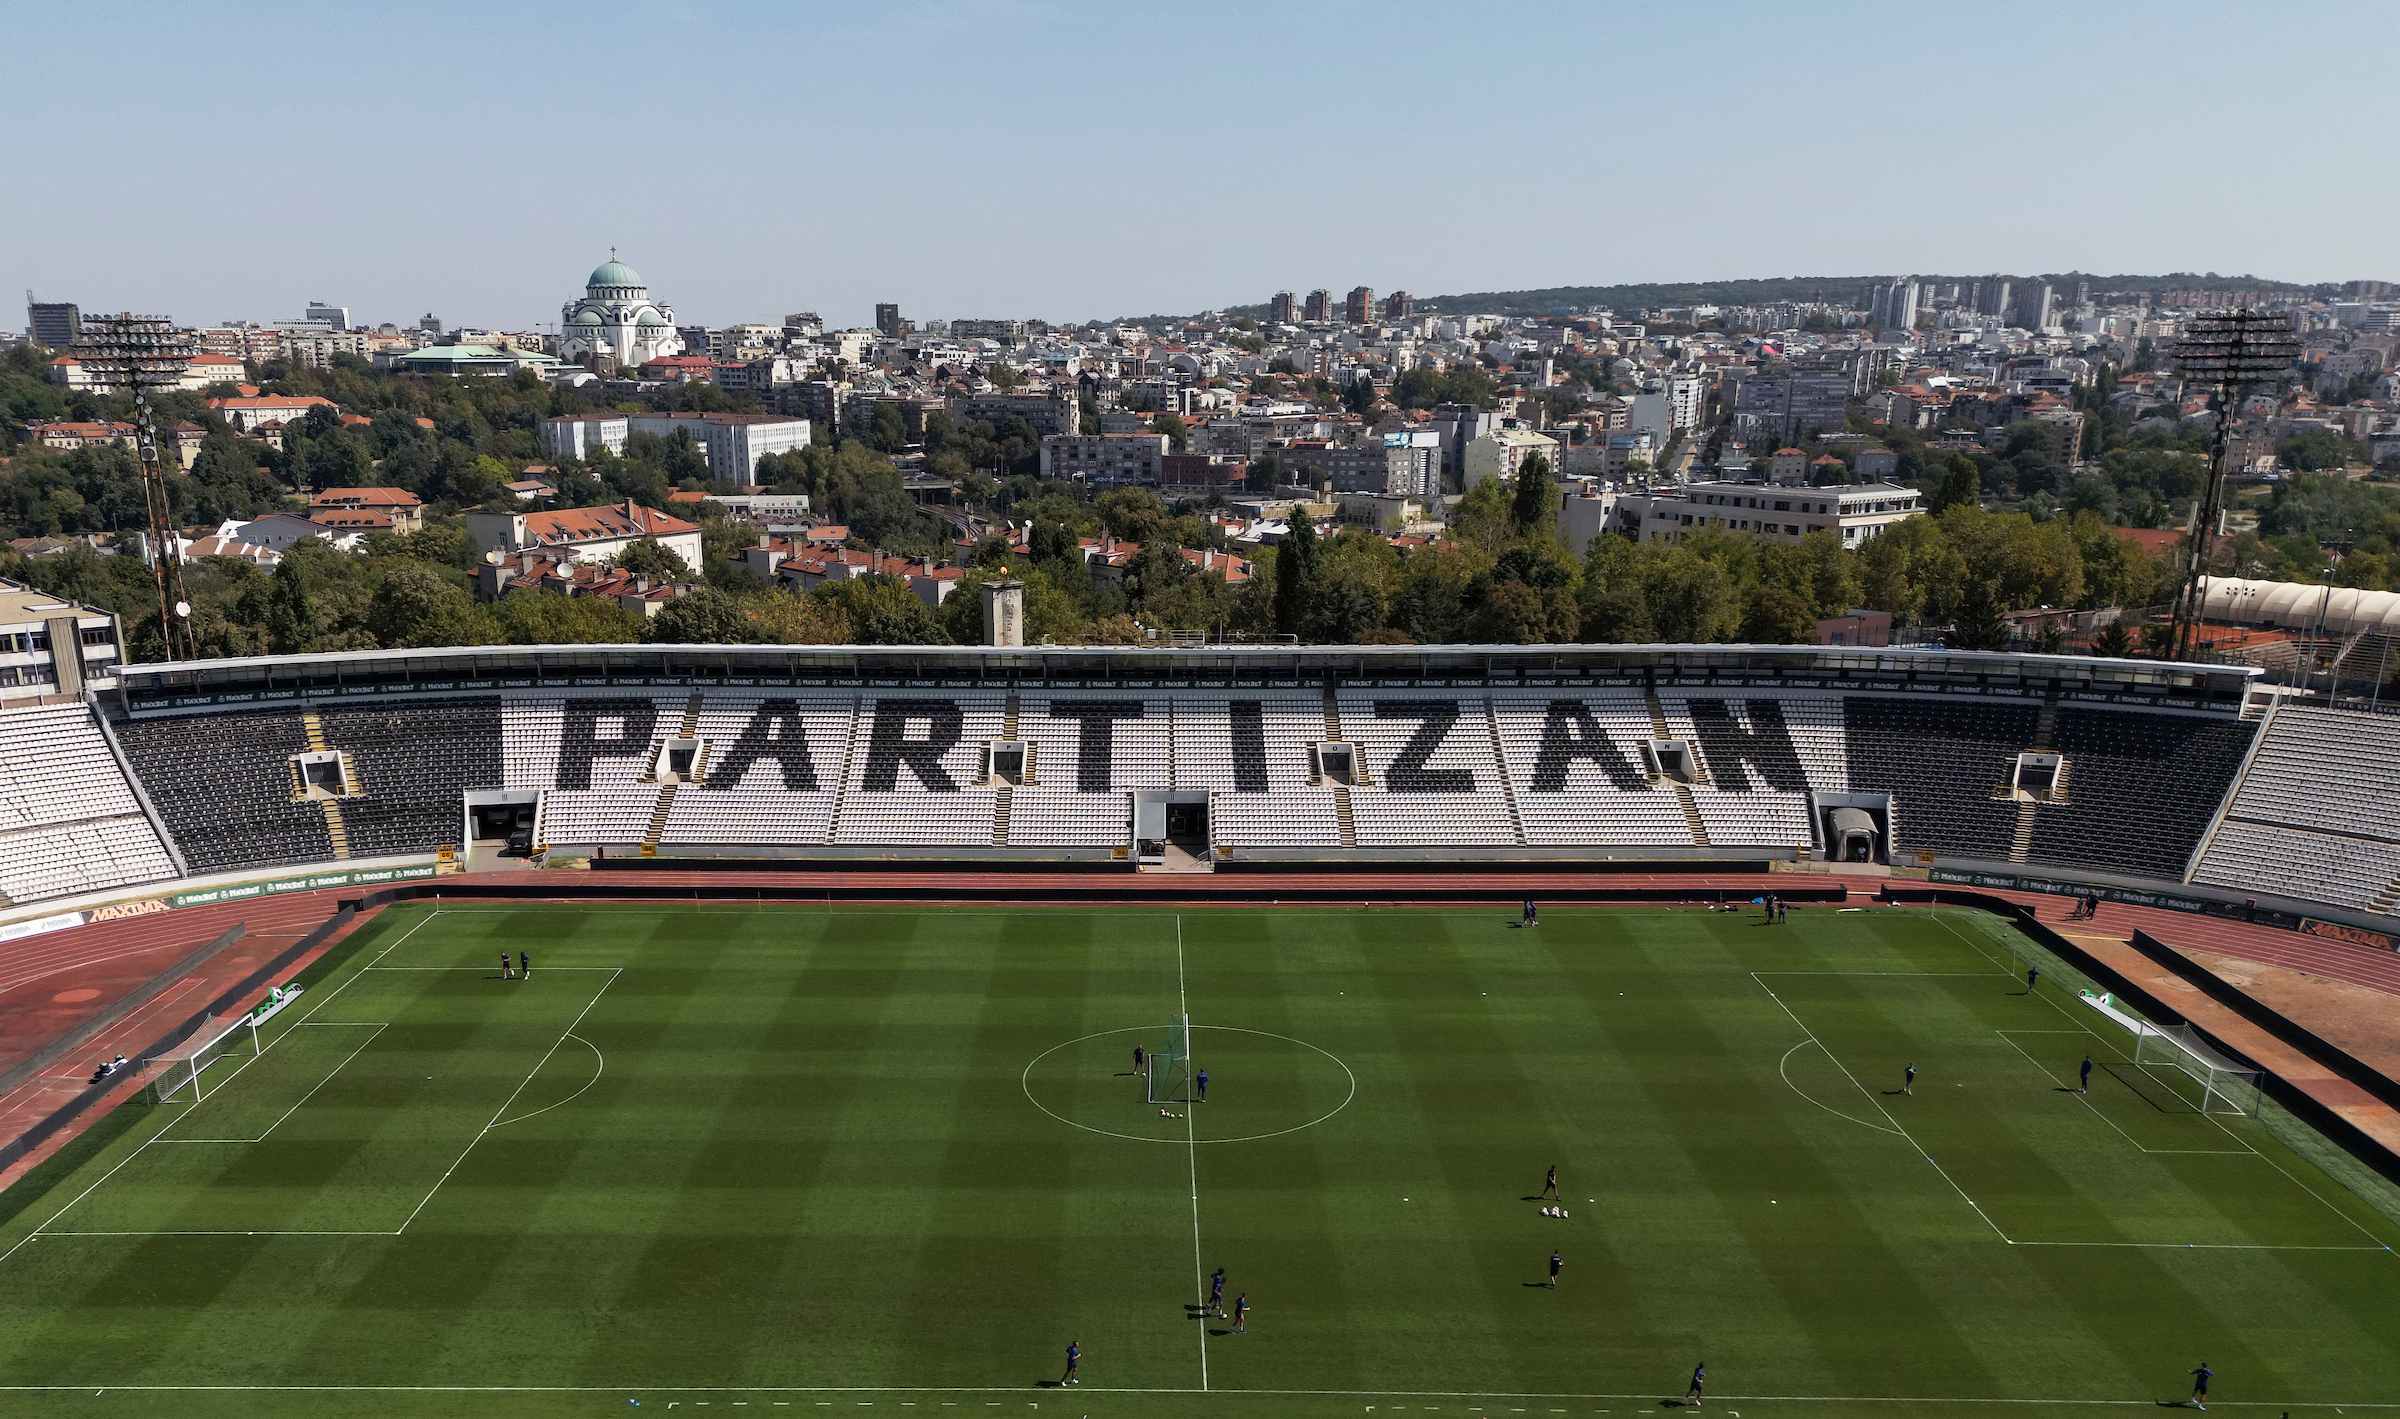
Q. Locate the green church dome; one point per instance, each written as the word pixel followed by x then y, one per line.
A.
pixel 614 273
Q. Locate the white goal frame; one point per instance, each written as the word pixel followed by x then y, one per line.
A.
pixel 186 1064
pixel 1164 1070
pixel 2225 1087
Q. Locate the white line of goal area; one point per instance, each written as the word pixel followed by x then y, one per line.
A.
pixel 1896 1128
pixel 499 1117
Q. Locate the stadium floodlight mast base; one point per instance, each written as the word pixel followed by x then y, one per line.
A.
pixel 2231 350
pixel 140 354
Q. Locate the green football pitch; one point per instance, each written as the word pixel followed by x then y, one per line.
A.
pixel 801 1158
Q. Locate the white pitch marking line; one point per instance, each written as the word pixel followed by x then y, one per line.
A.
pixel 304 1098
pixel 512 1098
pixel 1964 1195
pixel 1191 1148
pixel 136 1153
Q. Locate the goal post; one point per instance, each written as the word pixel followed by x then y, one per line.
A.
pixel 1167 1071
pixel 183 1070
pixel 2221 1084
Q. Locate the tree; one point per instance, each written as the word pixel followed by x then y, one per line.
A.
pixel 703 617
pixel 418 606
pixel 1979 624
pixel 647 556
pixel 291 612
pixel 1296 574
pixel 1179 434
pixel 1961 483
pixel 1772 615
pixel 2112 641
pixel 1690 598
pixel 1534 498
pixel 882 610
pixel 780 618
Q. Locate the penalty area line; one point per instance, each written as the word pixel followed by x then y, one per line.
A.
pixel 502 1111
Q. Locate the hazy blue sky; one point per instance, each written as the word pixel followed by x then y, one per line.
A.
pixel 1015 158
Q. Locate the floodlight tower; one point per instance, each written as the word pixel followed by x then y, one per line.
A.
pixel 141 354
pixel 2231 350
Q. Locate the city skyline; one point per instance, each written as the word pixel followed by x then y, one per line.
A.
pixel 1049 162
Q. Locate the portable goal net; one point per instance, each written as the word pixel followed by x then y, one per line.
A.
pixel 2197 1072
pixel 1167 1070
pixel 183 1072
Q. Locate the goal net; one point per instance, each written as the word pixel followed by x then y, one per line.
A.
pixel 183 1070
pixel 1167 1073
pixel 2194 1071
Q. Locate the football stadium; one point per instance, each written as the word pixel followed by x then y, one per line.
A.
pixel 1474 1031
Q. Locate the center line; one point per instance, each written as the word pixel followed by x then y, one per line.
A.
pixel 1191 1147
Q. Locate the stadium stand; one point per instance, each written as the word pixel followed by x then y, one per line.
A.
pixel 1253 752
pixel 1482 755
pixel 223 782
pixel 413 764
pixel 916 773
pixel 69 822
pixel 1939 760
pixel 1432 772
pixel 2141 788
pixel 2313 816
pixel 1576 767
pixel 770 773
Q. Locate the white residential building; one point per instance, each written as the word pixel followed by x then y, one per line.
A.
pixel 1499 453
pixel 1786 512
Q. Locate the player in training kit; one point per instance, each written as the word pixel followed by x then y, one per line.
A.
pixel 1200 1085
pixel 525 965
pixel 507 972
pixel 2200 1379
pixel 1550 1187
pixel 1908 1082
pixel 1216 1293
pixel 1138 1057
pixel 2033 977
pixel 1241 1314
pixel 1691 1397
pixel 1558 1259
pixel 1074 1361
pixel 2086 1086
pixel 1532 916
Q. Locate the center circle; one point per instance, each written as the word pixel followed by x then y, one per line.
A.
pixel 1260 1085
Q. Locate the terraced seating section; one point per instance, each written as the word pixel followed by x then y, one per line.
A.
pixel 912 778
pixel 69 822
pixel 1575 765
pixel 1763 757
pixel 587 751
pixel 2317 815
pixel 2141 788
pixel 223 783
pixel 414 763
pixel 2340 871
pixel 772 770
pixel 1251 751
pixel 1939 759
pixel 1433 779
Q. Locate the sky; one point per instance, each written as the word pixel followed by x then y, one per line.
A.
pixel 1011 158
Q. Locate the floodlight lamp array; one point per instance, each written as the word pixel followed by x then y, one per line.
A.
pixel 2237 347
